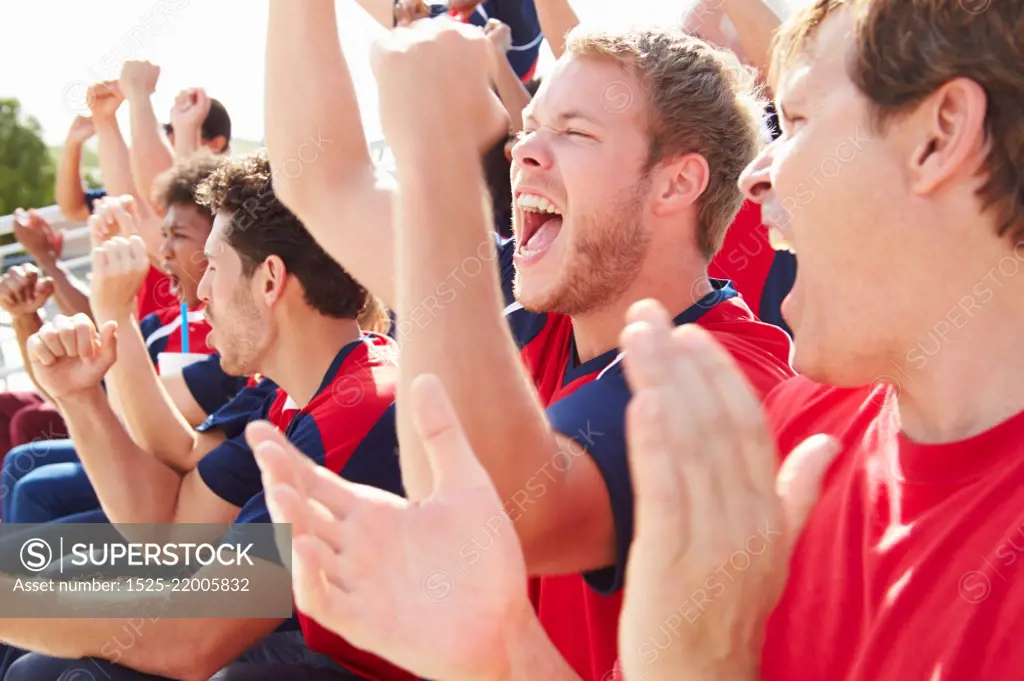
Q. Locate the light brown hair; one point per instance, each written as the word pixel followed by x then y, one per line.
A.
pixel 906 49
pixel 699 99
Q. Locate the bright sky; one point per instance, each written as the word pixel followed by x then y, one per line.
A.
pixel 54 48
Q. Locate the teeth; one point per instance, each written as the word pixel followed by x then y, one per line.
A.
pixel 778 241
pixel 536 204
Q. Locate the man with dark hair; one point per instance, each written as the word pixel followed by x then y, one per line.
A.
pixel 272 296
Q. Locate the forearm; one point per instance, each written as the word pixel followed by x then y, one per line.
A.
pixel 186 143
pixel 116 164
pixel 24 327
pixel 146 408
pixel 150 153
pixel 71 295
pixel 69 192
pixel 556 18
pixel 514 95
pixel 312 111
pixel 111 458
pixel 755 23
pixel 444 224
pixel 161 645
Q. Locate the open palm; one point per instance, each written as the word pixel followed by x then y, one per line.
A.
pixel 430 585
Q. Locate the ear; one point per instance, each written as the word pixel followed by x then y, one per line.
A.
pixel 679 183
pixel 953 121
pixel 272 275
pixel 218 144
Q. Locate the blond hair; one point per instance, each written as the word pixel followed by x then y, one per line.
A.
pixel 700 99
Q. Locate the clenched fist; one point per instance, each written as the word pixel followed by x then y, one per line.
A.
pixel 103 100
pixel 23 291
pixel 138 78
pixel 69 356
pixel 81 129
pixel 421 92
pixel 190 110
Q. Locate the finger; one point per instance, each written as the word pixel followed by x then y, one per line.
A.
pixel 318 590
pixel 85 336
pixel 49 337
pixel 39 352
pixel 662 503
pixel 452 460
pixel 107 341
pixel 647 345
pixel 139 256
pixel 65 329
pixel 281 463
pixel 44 289
pixel 124 221
pixel 306 516
pixel 800 479
pixel 741 420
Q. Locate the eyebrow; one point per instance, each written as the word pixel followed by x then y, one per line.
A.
pixel 564 117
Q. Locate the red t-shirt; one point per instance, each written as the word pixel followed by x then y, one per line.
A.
pixel 587 403
pixel 155 294
pixel 909 566
pixel 746 256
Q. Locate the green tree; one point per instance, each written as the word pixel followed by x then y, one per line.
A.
pixel 27 173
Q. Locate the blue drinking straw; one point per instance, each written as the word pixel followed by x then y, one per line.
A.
pixel 184 327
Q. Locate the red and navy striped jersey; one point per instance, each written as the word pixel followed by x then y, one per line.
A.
pixel 348 426
pixel 521 18
pixel 587 403
pixel 162 332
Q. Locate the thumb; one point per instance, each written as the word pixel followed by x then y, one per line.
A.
pixel 44 287
pixel 108 343
pixel 451 458
pixel 125 213
pixel 799 481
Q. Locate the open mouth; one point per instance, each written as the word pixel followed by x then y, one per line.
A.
pixel 541 224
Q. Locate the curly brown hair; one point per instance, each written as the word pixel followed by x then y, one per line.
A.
pixel 177 186
pixel 262 226
pixel 907 49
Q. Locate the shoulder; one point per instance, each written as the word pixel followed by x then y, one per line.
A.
pixel 799 408
pixel 761 350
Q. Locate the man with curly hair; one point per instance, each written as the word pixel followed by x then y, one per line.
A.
pixel 272 295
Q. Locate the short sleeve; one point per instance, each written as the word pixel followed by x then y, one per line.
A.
pixel 210 386
pixel 594 416
pixel 149 325
pixel 231 471
pixel 250 404
pixel 92 196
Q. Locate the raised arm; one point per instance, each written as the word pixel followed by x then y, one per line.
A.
pixel 115 159
pixel 69 358
pixel 151 154
pixel 556 18
pixel 443 223
pixel 22 292
pixel 513 94
pixel 317 147
pixel 34 233
pixel 119 270
pixel 755 23
pixel 69 192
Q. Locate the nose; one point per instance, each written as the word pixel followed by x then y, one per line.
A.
pixel 204 287
pixel 755 180
pixel 532 151
pixel 166 248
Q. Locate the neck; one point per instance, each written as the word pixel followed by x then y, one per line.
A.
pixel 677 288
pixel 304 350
pixel 966 374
